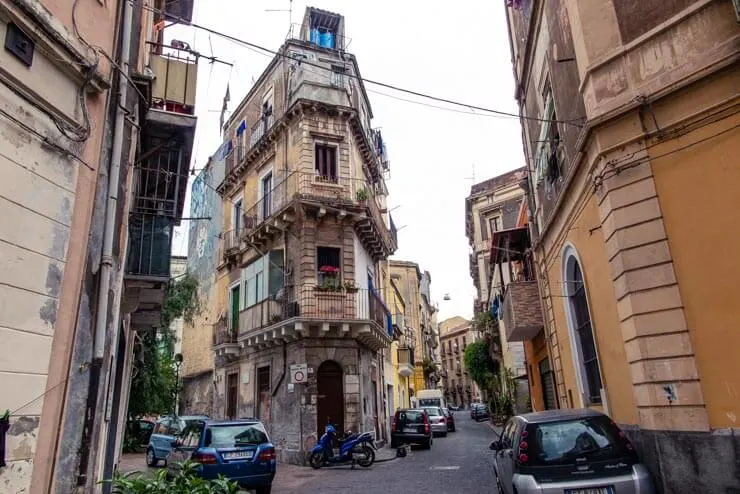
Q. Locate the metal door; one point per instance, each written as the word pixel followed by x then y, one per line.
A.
pixel 330 401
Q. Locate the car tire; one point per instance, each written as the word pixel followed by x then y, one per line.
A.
pixel 151 459
pixel 263 490
pixel 444 434
pixel 394 443
pixel 428 444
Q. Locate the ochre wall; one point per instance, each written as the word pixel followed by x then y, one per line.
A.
pixel 535 350
pixel 698 193
pixel 588 241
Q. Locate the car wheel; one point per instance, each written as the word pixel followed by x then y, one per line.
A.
pixel 394 443
pixel 151 460
pixel 444 434
pixel 263 490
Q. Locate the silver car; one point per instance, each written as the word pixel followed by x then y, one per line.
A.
pixel 572 451
pixel 437 421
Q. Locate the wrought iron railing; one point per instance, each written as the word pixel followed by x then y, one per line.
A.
pixel 310 186
pixel 230 242
pixel 316 303
pixel 259 129
pixel 222 334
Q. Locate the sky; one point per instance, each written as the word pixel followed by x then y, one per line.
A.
pixel 459 53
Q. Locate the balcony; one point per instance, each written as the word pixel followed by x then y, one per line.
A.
pixel 405 362
pixel 317 313
pixel 522 311
pixel 174 85
pixel 225 342
pixel 266 218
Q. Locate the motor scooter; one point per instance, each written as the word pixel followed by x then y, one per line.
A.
pixel 353 448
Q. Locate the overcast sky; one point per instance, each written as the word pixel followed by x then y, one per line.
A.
pixel 455 50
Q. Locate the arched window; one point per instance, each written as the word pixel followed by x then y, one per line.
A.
pixel 581 332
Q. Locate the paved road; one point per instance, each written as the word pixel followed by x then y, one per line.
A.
pixel 460 462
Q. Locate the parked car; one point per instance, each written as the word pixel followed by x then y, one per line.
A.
pixel 479 411
pixel 438 420
pixel 138 432
pixel 165 432
pixel 574 451
pixel 411 426
pixel 240 450
pixel 450 419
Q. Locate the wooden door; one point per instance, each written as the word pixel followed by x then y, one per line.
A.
pixel 330 400
pixel 232 394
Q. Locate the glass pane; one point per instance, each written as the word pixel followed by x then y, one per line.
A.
pixel 275 268
pixel 230 436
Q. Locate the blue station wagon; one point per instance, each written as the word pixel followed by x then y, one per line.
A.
pixel 240 450
pixel 165 432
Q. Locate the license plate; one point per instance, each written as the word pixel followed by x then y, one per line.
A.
pixel 238 455
pixel 409 429
pixel 591 490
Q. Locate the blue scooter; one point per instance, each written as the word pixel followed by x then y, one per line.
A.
pixel 355 449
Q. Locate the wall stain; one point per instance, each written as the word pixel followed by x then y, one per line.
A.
pixel 54 280
pixel 48 312
pixel 23 425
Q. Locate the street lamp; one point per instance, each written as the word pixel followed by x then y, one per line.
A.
pixel 178 363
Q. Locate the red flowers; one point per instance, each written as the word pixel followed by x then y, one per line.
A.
pixel 329 270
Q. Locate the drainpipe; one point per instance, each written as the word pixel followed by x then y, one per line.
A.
pixel 97 394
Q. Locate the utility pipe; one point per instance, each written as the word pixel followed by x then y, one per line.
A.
pixel 109 228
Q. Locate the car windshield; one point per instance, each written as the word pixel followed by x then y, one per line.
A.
pixel 433 411
pixel 231 436
pixel 429 402
pixel 411 417
pixel 563 442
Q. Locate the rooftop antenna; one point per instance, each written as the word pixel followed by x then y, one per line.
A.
pixel 472 177
pixel 290 15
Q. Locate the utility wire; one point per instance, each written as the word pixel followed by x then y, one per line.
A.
pixel 353 76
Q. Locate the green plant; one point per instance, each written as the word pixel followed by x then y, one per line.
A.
pixel 184 481
pixel 350 285
pixel 479 364
pixel 361 194
pixel 484 322
pixel 428 367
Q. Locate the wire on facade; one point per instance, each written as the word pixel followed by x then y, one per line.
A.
pixel 353 76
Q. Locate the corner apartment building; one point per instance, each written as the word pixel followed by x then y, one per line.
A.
pixel 632 174
pixel 455 334
pixel 493 207
pixel 77 159
pixel 301 332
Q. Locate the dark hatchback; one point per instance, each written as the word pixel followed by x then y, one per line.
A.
pixel 411 426
pixel 479 411
pixel 571 451
pixel 240 450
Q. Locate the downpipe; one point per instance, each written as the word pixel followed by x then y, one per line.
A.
pixel 97 393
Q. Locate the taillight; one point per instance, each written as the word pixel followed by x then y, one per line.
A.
pixel 204 458
pixel 523 458
pixel 523 445
pixel 525 434
pixel 426 424
pixel 267 454
pixel 442 420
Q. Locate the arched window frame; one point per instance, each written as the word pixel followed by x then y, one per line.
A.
pixel 570 260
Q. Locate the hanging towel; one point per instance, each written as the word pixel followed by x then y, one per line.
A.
pixel 4 426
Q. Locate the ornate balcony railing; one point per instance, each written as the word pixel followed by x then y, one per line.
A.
pixel 314 303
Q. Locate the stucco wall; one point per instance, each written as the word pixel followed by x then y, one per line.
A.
pixel 704 242
pixel 615 371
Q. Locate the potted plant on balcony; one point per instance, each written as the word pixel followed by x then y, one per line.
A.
pixel 329 281
pixel 350 286
pixel 361 196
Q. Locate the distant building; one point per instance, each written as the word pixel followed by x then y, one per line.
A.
pixel 456 334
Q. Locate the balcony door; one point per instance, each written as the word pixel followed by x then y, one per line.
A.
pixel 235 308
pixel 266 192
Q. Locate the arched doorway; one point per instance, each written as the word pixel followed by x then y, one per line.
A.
pixel 330 400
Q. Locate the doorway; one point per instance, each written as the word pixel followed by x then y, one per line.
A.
pixel 330 399
pixel 232 394
pixel 263 388
pixel 547 378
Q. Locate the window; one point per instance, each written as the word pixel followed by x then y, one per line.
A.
pixel 236 214
pixel 191 436
pixel 233 436
pixel 253 283
pixel 234 307
pixel 548 157
pixel 276 272
pixel 241 141
pixel 328 265
pixel 337 75
pixel 581 331
pixel 266 196
pixel 325 158
pixel 483 227
pixel 495 223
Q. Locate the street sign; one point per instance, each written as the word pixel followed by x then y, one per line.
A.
pixel 298 373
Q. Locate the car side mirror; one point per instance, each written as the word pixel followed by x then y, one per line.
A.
pixel 494 446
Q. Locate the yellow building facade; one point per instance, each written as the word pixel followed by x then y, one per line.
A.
pixel 632 169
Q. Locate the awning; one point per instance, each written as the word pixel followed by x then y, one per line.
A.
pixel 509 245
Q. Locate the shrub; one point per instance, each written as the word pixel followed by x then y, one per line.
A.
pixel 183 482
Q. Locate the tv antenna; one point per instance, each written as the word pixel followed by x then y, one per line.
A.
pixel 289 10
pixel 472 177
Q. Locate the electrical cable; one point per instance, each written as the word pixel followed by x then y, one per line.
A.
pixel 353 76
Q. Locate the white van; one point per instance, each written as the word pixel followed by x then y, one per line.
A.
pixel 428 398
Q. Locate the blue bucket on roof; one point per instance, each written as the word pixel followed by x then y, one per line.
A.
pixel 315 36
pixel 327 39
